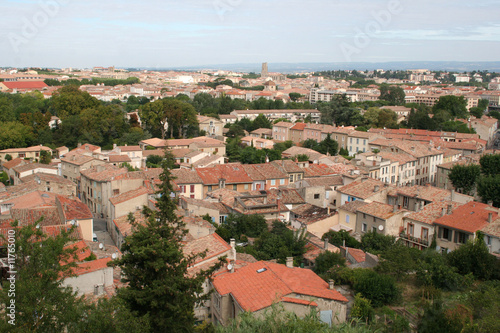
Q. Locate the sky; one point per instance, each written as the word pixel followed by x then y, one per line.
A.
pixel 170 34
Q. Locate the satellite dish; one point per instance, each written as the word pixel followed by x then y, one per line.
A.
pixel 229 267
pixel 38 226
pixel 101 246
pixel 380 227
pixel 113 256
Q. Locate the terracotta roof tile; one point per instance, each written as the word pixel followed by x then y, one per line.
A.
pixel 363 188
pixel 471 217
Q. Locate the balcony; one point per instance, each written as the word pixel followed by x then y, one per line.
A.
pixel 416 240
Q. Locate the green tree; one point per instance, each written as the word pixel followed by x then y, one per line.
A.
pixel 45 157
pixel 261 121
pixel 456 106
pixel 393 94
pixel 474 257
pixel 341 238
pixel 154 161
pixel 156 270
pixel 488 188
pixel 490 164
pixel 4 178
pixel 295 96
pixel 42 303
pixel 328 146
pixel 340 112
pixel 437 320
pixel 326 260
pixel 70 101
pixel 374 242
pixel 398 260
pixel 379 289
pixel 362 308
pixel 15 135
pixel 464 177
pixel 310 143
pixel 236 226
pixel 8 157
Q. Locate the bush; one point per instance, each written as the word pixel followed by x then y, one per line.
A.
pixel 327 260
pixel 376 243
pixel 379 289
pixel 362 308
pixel 338 238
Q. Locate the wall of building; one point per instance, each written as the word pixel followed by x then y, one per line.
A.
pixel 321 227
pixel 85 283
pixel 123 208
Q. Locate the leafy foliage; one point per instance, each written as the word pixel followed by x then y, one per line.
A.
pixel 41 301
pixel 237 226
pixel 393 94
pixel 159 289
pixel 362 308
pixel 474 257
pixel 464 177
pixel 375 243
pixel 326 260
pixel 337 238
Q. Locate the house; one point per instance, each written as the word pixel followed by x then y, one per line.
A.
pixel 384 169
pixel 134 154
pixel 90 277
pixel 319 191
pixel 73 164
pixel 232 176
pixel 258 143
pixel 265 176
pixel 22 171
pixel 32 153
pixel 262 133
pixel 294 151
pixel 460 225
pixel 297 132
pixel 348 214
pixel 379 217
pixel 418 227
pixel 492 236
pixel 75 212
pixel 257 286
pixel 294 172
pixel 360 141
pixel 314 219
pixel 281 131
pixel 365 189
pixel 211 126
pixel 190 183
pixel 128 202
pixel 215 209
pixel 415 197
pixel 100 183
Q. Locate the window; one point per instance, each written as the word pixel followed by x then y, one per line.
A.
pixel 425 233
pixel 316 196
pixel 246 186
pixel 222 219
pixel 374 229
pixel 445 233
pixel 192 196
pixel 461 237
pixel 116 191
pixel 235 187
pixel 406 202
pixel 357 141
pixel 282 181
pixel 347 218
pixel 291 178
pixel 364 215
pixel 209 188
pixel 411 229
pixel 192 188
pixel 364 227
pixel 273 181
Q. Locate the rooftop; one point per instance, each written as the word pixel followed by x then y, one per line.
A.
pixel 471 217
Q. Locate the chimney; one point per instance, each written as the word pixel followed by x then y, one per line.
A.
pixel 394 208
pixel 232 242
pixel 490 203
pixel 265 200
pixel 114 145
pixel 328 210
pixel 220 197
pixel 331 284
pixel 289 262
pixel 490 217
pixel 79 144
pixel 326 244
pixel 452 195
pixel 376 188
pixel 443 211
pixel 450 207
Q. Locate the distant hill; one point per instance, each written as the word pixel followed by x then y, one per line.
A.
pixel 457 66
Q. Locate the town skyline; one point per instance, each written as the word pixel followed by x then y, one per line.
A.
pixel 57 33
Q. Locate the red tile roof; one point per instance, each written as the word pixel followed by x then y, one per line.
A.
pixel 25 84
pixel 126 196
pixel 254 291
pixel 471 217
pixel 232 173
pixel 73 208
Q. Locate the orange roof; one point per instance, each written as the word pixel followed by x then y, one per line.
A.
pixel 471 217
pixel 260 284
pixel 298 301
pixel 73 208
pixel 25 84
pixel 91 266
pixel 299 126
